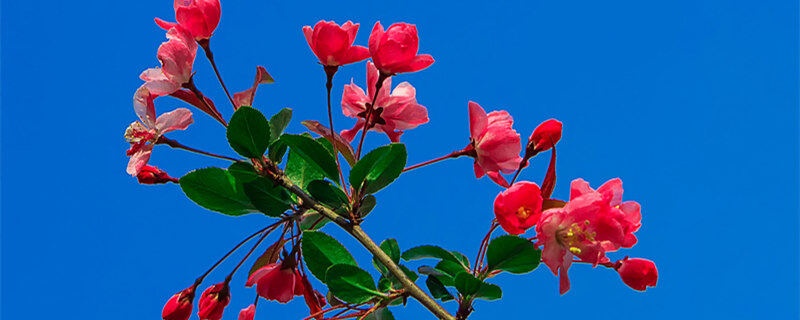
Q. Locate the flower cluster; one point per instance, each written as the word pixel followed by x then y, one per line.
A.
pixel 298 180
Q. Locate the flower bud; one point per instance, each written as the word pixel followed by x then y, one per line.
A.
pixel 395 50
pixel 179 306
pixel 333 45
pixel 199 17
pixel 152 175
pixel 248 313
pixel 544 137
pixel 638 273
pixel 213 302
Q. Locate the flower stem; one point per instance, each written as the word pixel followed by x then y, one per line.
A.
pixel 484 242
pixel 178 145
pixel 266 232
pixel 381 77
pixel 329 72
pixel 206 45
pixel 454 154
pixel 211 110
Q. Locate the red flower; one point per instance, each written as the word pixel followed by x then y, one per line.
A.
pixel 248 313
pixel 314 300
pixel 199 17
pixel 277 281
pixel 518 207
pixel 638 273
pixel 213 301
pixel 395 50
pixel 333 44
pixel 152 175
pixel 393 112
pixel 177 59
pixel 494 141
pixel 179 307
pixel 545 136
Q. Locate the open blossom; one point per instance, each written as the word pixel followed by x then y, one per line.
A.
pixel 153 175
pixel 518 207
pixel 395 50
pixel 143 134
pixel 638 273
pixel 392 114
pixel 496 144
pixel 177 58
pixel 248 313
pixel 179 306
pixel 277 281
pixel 589 225
pixel 333 45
pixel 198 17
pixel 213 301
pixel 545 136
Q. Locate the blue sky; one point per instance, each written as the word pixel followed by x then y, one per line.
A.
pixel 692 103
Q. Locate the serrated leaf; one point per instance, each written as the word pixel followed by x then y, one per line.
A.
pixel 437 289
pixel 451 268
pixel 269 256
pixel 267 197
pixel 461 258
pixel 391 248
pixel 367 204
pixel 467 284
pixel 512 254
pixel 243 172
pixel 217 190
pixel 320 251
pixel 489 292
pixel 314 154
pixel 278 123
pixel 248 132
pixel 330 195
pixel 429 252
pixel 342 145
pixel 313 221
pixel 300 171
pixel 378 168
pixel 350 283
pixel 276 151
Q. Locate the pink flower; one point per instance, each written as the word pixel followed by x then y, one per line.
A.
pixel 143 134
pixel 518 207
pixel 545 136
pixel 213 302
pixel 177 58
pixel 395 50
pixel 589 225
pixel 248 313
pixel 153 175
pixel 393 113
pixel 314 300
pixel 198 17
pixel 179 306
pixel 333 45
pixel 494 141
pixel 277 281
pixel 638 273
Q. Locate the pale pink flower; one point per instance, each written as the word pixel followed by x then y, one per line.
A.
pixel 142 135
pixel 395 49
pixel 198 17
pixel 496 144
pixel 333 45
pixel 589 225
pixel 177 58
pixel 392 114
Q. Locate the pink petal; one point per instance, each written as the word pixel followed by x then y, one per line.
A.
pixel 350 134
pixel 260 273
pixel 498 179
pixel 478 121
pixel 351 29
pixel 139 159
pixel 245 98
pixel 612 190
pixel 144 107
pixel 355 54
pixel 165 25
pixel 353 100
pixel 579 187
pixel 178 119
pixel 478 170
pixel 375 38
pixel 420 62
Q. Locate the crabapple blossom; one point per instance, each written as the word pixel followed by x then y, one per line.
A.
pixel 177 56
pixel 277 281
pixel 179 306
pixel 395 49
pixel 545 136
pixel 198 17
pixel 496 144
pixel 248 313
pixel 638 273
pixel 518 207
pixel 213 301
pixel 153 175
pixel 333 44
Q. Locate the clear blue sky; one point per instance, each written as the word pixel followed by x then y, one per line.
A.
pixel 692 103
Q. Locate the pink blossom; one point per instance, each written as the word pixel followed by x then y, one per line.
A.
pixel 277 281
pixel 213 302
pixel 518 207
pixel 393 113
pixel 333 45
pixel 248 313
pixel 177 58
pixel 179 306
pixel 638 273
pixel 245 98
pixel 153 175
pixel 143 134
pixel 198 17
pixel 545 136
pixel 395 50
pixel 589 225
pixel 496 144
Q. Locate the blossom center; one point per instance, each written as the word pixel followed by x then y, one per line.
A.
pixel 575 235
pixel 524 212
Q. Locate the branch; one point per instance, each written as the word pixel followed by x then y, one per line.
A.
pixel 359 234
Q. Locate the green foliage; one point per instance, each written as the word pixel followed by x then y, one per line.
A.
pixel 378 168
pixel 248 132
pixel 380 314
pixel 437 289
pixel 320 251
pixel 243 171
pixel 350 283
pixel 432 252
pixel 325 192
pixel 367 204
pixel 470 286
pixel 217 190
pixel 313 154
pixel 278 123
pixel 267 197
pixel 512 254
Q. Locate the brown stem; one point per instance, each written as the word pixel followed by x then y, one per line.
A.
pixel 206 45
pixel 178 145
pixel 483 246
pixel 329 72
pixel 381 77
pixel 215 113
pixel 454 154
pixel 266 232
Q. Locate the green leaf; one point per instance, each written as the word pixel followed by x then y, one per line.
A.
pixel 300 172
pixel 267 197
pixel 461 258
pixel 467 284
pixel 342 145
pixel 248 132
pixel 378 168
pixel 310 221
pixel 350 283
pixel 429 252
pixel 393 282
pixel 278 123
pixel 444 278
pixel 320 251
pixel 451 268
pixel 512 254
pixel 328 194
pixel 367 204
pixel 437 289
pixel 243 172
pixel 380 314
pixel 392 249
pixel 277 150
pixel 489 292
pixel 217 190
pixel 314 154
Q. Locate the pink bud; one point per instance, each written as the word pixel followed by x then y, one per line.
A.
pixel 248 313
pixel 213 302
pixel 179 306
pixel 333 45
pixel 545 136
pixel 395 50
pixel 199 17
pixel 638 273
pixel 152 175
